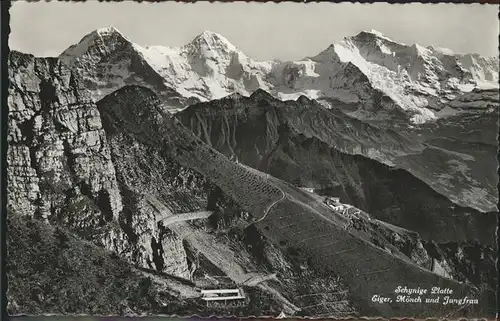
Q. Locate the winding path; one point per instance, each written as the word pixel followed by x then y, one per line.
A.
pixel 271 206
pixel 273 203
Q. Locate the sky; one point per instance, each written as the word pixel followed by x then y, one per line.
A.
pixel 264 31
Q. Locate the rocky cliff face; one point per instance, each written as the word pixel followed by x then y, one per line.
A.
pixel 60 164
pixel 58 156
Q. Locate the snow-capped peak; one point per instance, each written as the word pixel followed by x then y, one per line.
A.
pixel 372 33
pixel 104 32
pixel 211 37
pixel 375 32
pixel 416 79
pixel 420 50
pixel 107 31
pixel 441 50
pixel 210 41
pixel 102 35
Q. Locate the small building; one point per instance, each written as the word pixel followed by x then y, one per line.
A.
pixel 308 189
pixel 335 200
pixel 222 295
pixel 332 201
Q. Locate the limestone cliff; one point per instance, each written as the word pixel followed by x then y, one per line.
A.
pixel 60 165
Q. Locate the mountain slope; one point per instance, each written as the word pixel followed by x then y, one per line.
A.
pixel 266 133
pixel 387 80
pixel 302 143
pixel 279 219
pixel 50 271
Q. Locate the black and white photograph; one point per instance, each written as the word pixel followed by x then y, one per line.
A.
pixel 246 159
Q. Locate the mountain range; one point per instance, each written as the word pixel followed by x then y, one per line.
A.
pixel 378 78
pixel 140 175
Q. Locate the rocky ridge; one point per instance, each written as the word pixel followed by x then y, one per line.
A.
pixel 257 130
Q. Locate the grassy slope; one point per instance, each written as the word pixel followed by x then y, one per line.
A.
pixel 368 270
pixel 50 271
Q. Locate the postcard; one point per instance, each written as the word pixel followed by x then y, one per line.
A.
pixel 249 159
